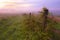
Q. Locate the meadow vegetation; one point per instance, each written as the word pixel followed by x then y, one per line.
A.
pixel 28 27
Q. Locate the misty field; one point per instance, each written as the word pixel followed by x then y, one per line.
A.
pixel 24 27
pixel 28 27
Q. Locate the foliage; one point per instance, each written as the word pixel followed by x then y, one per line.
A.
pixel 25 27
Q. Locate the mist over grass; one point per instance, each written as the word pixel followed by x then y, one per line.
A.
pixel 25 27
pixel 29 26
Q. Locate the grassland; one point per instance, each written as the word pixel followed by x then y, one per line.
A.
pixel 25 27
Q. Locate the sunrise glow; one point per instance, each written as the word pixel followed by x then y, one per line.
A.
pixel 13 4
pixel 3 3
pixel 25 5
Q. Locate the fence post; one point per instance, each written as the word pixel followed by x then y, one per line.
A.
pixel 45 13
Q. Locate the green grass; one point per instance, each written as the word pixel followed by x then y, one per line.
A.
pixel 57 26
pixel 23 28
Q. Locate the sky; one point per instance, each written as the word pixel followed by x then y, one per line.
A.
pixel 28 5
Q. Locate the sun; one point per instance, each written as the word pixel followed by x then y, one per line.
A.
pixel 14 4
pixel 3 3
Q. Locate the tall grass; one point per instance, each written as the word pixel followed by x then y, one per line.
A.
pixel 26 27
